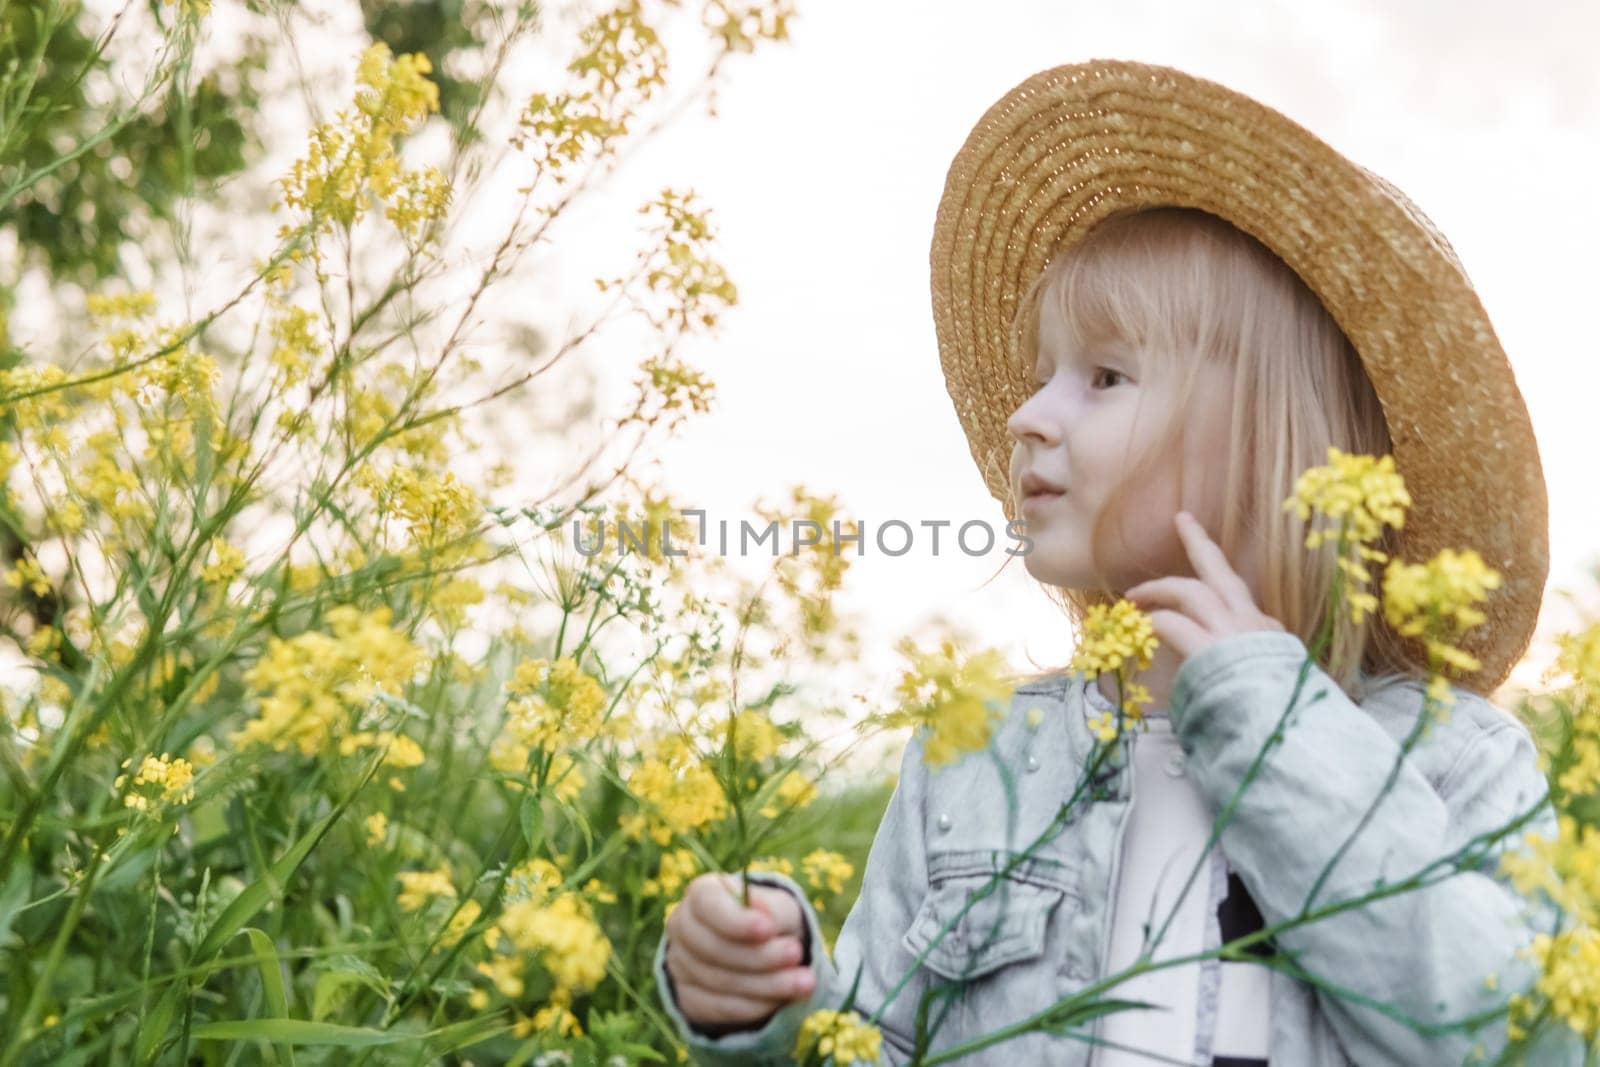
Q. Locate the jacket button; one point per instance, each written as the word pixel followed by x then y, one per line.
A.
pixel 1033 763
pixel 944 821
pixel 1175 765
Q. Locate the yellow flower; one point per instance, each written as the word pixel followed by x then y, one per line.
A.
pixel 557 1018
pixel 1113 638
pixel 756 737
pixel 951 696
pixel 422 886
pixel 174 776
pixel 563 933
pixel 533 879
pixel 553 704
pixel 1435 600
pixel 794 792
pixel 675 869
pixel 377 828
pixel 677 795
pixel 310 683
pixel 465 916
pixel 28 572
pixel 826 869
pixel 1579 656
pixel 1364 492
pixel 841 1035
pixel 1567 870
pixel 780 864
pixel 226 562
pixel 355 153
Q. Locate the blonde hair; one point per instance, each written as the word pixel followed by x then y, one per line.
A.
pixel 1183 285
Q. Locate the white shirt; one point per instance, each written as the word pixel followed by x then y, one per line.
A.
pixel 1167 831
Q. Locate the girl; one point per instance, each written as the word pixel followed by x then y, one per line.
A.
pixel 1158 302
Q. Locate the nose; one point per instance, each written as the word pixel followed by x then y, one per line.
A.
pixel 1030 420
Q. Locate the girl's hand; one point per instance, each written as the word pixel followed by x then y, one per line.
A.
pixel 731 964
pixel 1196 613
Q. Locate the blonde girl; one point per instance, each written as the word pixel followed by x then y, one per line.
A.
pixel 1159 302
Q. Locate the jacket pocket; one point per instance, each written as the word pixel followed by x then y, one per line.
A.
pixel 1004 925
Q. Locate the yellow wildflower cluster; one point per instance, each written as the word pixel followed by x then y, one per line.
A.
pixel 438 510
pixel 794 791
pixel 226 562
pixel 697 286
pixel 401 751
pixel 1116 639
pixel 554 1018
pixel 674 871
pixel 554 705
pixel 674 388
pixel 309 684
pixel 27 572
pixel 560 932
pixel 1359 495
pixel 814 576
pixel 1579 657
pixel 780 864
pixel 423 886
pixel 951 696
pixel 460 923
pixel 755 736
pixel 1567 870
pixel 826 870
pixel 355 153
pixel 677 790
pixel 173 777
pixel 1435 600
pixel 840 1035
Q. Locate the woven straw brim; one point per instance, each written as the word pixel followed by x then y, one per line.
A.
pixel 1069 146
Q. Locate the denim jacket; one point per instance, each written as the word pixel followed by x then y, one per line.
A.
pixel 1044 932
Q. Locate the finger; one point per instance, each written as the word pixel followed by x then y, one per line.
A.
pixel 1179 632
pixel 716 903
pixel 742 956
pixel 779 904
pixel 1189 595
pixel 1212 564
pixel 707 1007
pixel 779 986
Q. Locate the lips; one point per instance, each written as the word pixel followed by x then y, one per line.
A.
pixel 1035 487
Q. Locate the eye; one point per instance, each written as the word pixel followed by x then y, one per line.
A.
pixel 1108 370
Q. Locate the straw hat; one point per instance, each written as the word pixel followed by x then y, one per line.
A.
pixel 1071 145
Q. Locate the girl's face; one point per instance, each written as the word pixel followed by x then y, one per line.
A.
pixel 1075 434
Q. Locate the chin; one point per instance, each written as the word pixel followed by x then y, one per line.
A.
pixel 1049 567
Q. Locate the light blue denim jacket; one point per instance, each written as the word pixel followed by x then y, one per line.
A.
pixel 1424 952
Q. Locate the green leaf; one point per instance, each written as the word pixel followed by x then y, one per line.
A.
pixel 271 980
pixel 532 821
pixel 269 887
pixel 300 1032
pixel 14 896
pixel 337 976
pixel 153 1027
pixel 639 1052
